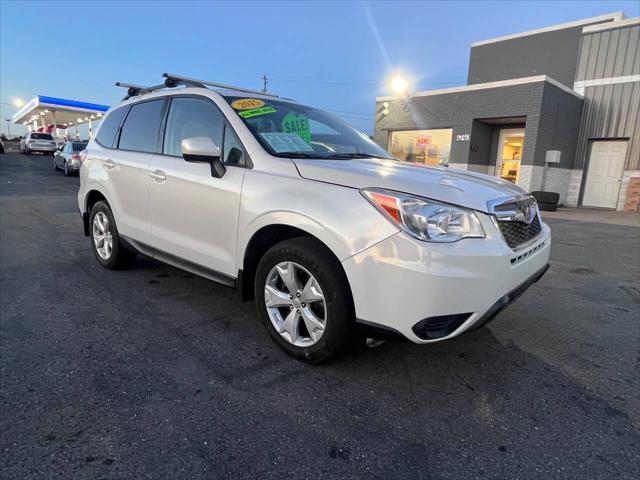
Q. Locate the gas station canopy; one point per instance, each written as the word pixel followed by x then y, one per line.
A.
pixel 49 113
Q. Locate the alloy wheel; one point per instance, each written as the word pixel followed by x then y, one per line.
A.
pixel 102 237
pixel 295 304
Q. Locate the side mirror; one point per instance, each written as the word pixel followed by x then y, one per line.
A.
pixel 203 149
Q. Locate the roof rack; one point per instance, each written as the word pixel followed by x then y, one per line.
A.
pixel 171 81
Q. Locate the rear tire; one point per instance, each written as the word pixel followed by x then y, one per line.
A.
pixel 316 266
pixel 66 169
pixel 105 240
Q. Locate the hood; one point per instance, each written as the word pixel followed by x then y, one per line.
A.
pixel 459 187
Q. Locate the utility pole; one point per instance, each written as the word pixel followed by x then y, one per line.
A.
pixel 264 83
pixel 8 127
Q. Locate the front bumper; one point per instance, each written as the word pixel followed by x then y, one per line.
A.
pixel 401 282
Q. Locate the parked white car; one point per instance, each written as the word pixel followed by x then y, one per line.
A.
pixel 38 142
pixel 296 209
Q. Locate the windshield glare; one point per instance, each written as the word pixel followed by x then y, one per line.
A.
pixel 287 129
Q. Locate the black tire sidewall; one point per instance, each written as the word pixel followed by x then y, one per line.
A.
pixel 326 269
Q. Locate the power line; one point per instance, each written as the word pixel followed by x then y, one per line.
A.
pixel 348 113
pixel 359 82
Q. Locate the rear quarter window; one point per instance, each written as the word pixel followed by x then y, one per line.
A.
pixel 107 131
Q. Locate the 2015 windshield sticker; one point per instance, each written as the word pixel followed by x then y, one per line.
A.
pixel 256 111
pixel 298 124
pixel 247 103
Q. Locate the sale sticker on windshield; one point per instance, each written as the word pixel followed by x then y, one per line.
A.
pixel 298 124
pixel 247 103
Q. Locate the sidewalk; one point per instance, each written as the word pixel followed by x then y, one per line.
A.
pixel 594 215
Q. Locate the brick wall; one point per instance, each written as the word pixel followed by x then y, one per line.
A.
pixel 575 183
pixel 457 110
pixel 629 197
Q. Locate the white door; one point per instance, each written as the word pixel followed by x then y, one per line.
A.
pixel 195 215
pixel 127 169
pixel 604 174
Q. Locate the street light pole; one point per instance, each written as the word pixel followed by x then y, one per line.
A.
pixel 8 127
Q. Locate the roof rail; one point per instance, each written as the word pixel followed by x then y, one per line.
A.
pixel 172 80
pixel 132 90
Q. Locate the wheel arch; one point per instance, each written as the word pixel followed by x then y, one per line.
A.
pixel 263 239
pixel 91 198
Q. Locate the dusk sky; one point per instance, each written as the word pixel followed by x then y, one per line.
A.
pixel 335 55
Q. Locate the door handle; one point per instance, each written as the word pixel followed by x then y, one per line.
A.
pixel 158 176
pixel 108 163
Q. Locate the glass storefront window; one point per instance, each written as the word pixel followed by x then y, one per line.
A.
pixel 429 147
pixel 510 154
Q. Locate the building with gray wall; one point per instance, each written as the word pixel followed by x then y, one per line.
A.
pixel 553 109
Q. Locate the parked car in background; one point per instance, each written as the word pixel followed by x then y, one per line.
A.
pixel 38 142
pixel 68 157
pixel 1 146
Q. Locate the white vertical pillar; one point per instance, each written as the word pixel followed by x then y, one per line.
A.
pixel 90 129
pixel 55 127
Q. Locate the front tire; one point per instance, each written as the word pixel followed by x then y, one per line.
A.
pixel 304 300
pixel 105 240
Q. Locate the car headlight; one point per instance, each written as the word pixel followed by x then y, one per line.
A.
pixel 426 219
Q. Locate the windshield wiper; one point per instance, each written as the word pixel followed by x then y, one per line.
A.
pixel 356 155
pixel 300 154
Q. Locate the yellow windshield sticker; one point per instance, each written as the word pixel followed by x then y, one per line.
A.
pixel 247 103
pixel 256 111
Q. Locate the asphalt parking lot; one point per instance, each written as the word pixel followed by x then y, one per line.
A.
pixel 155 373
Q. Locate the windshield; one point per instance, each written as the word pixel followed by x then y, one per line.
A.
pixel 288 129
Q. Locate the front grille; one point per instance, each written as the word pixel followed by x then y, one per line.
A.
pixel 516 233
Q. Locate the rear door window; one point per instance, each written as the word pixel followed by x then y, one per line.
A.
pixel 142 126
pixel 108 129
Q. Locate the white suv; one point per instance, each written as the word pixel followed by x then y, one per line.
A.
pixel 308 216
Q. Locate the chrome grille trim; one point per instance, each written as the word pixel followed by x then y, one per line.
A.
pixel 518 220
